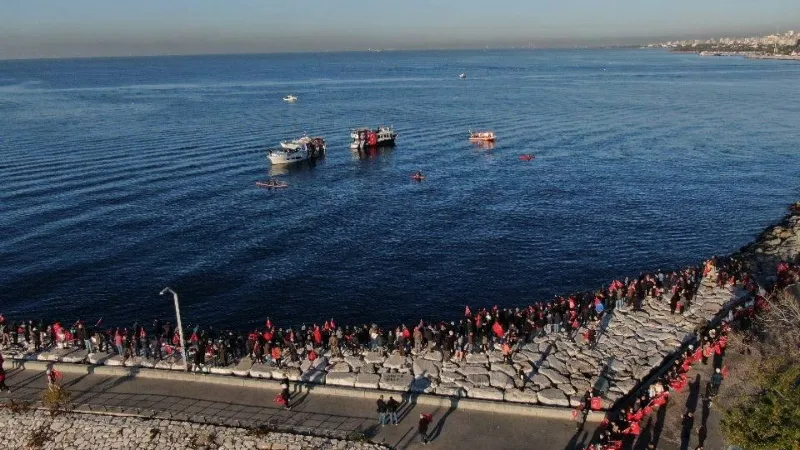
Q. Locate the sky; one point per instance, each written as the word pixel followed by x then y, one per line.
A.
pixel 77 28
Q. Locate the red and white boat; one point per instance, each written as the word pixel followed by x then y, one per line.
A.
pixel 482 136
pixel 366 137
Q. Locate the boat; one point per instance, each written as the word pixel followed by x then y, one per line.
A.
pixel 462 76
pixel 295 144
pixel 367 137
pixel 418 176
pixel 272 184
pixel 527 157
pixel 485 136
pixel 314 148
pixel 290 98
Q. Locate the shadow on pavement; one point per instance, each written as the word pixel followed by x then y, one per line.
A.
pixel 437 429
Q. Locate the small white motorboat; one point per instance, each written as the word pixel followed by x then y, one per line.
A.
pixel 312 149
pixel 295 144
pixel 462 76
pixel 290 98
pixel 482 136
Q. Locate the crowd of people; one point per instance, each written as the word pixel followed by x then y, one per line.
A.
pixel 622 425
pixel 479 331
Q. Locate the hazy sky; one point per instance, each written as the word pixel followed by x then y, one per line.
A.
pixel 44 28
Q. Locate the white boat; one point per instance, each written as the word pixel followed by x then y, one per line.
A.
pixel 314 148
pixel 482 136
pixel 367 137
pixel 295 144
pixel 462 76
pixel 290 98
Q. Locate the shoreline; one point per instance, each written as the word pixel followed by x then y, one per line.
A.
pixel 608 348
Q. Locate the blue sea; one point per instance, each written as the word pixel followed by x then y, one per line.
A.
pixel 121 176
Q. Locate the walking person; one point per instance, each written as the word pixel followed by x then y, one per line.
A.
pixel 284 398
pixel 422 429
pixel 382 410
pixel 716 382
pixel 392 405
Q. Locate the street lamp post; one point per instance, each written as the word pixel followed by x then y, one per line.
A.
pixel 180 326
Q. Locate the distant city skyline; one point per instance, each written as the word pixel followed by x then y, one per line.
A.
pixel 84 28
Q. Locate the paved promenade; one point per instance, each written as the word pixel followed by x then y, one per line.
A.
pixel 313 413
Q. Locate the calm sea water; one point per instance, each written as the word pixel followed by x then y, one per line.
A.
pixel 122 176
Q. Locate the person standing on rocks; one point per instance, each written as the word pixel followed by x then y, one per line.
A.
pixel 382 409
pixel 392 405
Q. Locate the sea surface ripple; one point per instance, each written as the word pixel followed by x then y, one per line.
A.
pixel 124 175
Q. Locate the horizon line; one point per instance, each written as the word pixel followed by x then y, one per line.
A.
pixel 368 50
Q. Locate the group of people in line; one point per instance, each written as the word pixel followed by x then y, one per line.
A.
pixel 623 425
pixel 479 331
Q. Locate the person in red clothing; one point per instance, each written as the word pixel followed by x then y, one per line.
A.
pixel 3 387
pixel 424 422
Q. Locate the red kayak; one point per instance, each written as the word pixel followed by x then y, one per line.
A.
pixel 527 157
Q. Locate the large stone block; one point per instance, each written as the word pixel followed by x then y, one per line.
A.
pixel 77 356
pixel 517 396
pixel 505 368
pixel 223 370
pixel 473 370
pixel 450 390
pixel 541 381
pixel 341 379
pixel 339 367
pixel 554 376
pixel 485 393
pixel 553 397
pixel 425 368
pixel 367 381
pixel 97 358
pixel 396 381
pixel 395 361
pixel 374 358
pixel 242 368
pixel 259 370
pixel 434 355
pixel 289 373
pixel 355 362
pixel 501 380
pixel 478 379
pixel 449 376
pixel 120 361
pixel 477 358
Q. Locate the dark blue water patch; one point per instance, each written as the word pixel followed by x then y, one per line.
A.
pixel 124 175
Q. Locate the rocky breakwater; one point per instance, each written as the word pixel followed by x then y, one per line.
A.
pixel 37 429
pixel 558 370
pixel 779 242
